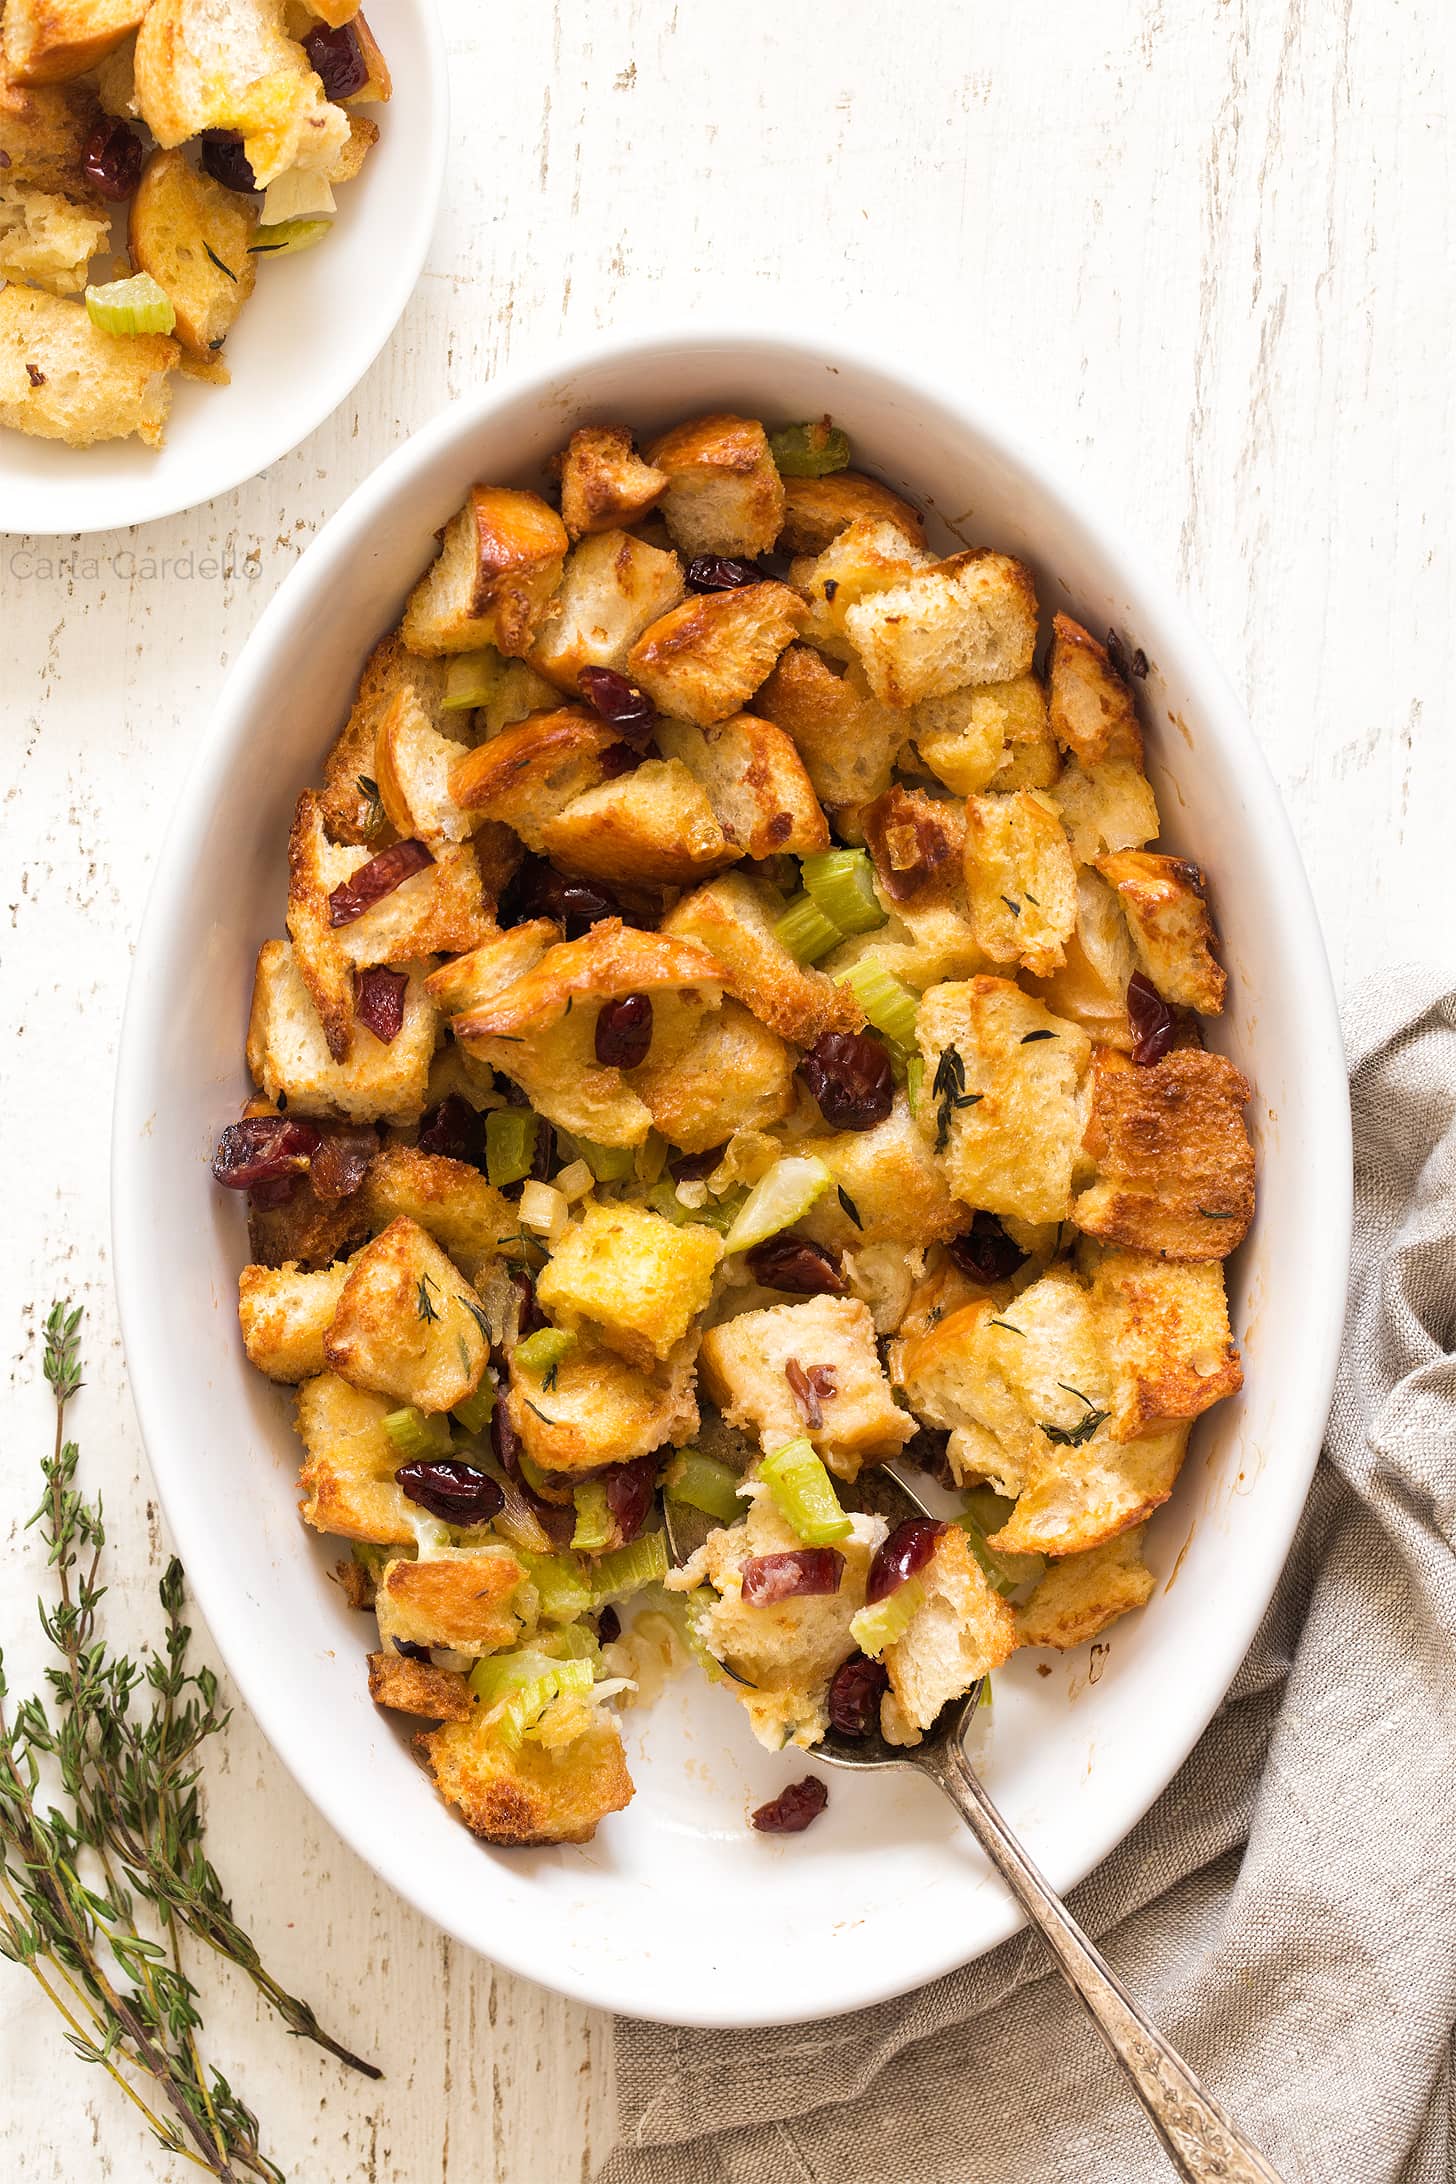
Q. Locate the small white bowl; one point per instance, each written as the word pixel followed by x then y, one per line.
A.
pixel 310 331
pixel 677 1911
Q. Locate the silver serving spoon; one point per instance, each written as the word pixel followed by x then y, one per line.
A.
pixel 1200 2141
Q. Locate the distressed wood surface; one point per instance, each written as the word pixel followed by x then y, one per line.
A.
pixel 1204 249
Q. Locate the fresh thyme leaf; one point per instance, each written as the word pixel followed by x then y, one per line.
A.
pixel 1012 905
pixel 1007 1325
pixel 474 1309
pixel 849 1206
pixel 1068 1389
pixel 948 1086
pixel 425 1307
pixel 1074 1436
pixel 539 1412
pixel 368 788
pixel 122 1743
pixel 227 269
pixel 548 1379
pixel 1031 1037
pixel 1209 1213
pixel 1032 899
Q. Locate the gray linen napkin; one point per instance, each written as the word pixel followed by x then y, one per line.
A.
pixel 1287 1910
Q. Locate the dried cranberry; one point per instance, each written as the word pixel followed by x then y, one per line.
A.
pixel 794 1264
pixel 810 1385
pixel 795 1575
pixel 543 1153
pixel 985 1251
pixel 617 759
pixel 909 840
pixel 630 1488
pixel 694 1167
pixel 1154 1024
pixel 454 1131
pixel 792 1810
pixel 263 1149
pixel 223 157
pixel 624 1031
pixel 908 1549
pixel 411 1651
pixel 342 1162
pixel 721 572
pixel 630 711
pixel 854 1695
pixel 338 59
pixel 456 1493
pixel 540 891
pixel 112 160
pixel 848 1073
pixel 609 1625
pixel 529 1315
pixel 376 879
pixel 379 1002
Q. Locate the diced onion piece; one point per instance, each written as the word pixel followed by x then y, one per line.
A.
pixel 593 1518
pixel 296 194
pixel 809 450
pixel 714 1213
pixel 574 1181
pixel 470 679
pixel 783 1196
pixel 416 1436
pixel 804 1495
pixel 890 1007
pixel 562 1586
pixel 627 1569
pixel 139 305
pixel 543 1209
pixel 841 885
pixel 573 1642
pixel 806 932
pixel 703 1483
pixel 608 1163
pixel 875 1628
pixel 510 1144
pixel 475 1413
pixel 547 1347
pixel 288 235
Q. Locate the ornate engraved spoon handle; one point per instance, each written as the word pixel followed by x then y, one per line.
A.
pixel 1199 2139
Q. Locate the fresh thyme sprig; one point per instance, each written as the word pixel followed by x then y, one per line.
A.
pixel 123 1740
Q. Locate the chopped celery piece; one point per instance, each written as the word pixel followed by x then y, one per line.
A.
pixel 510 1144
pixel 914 1080
pixel 136 306
pixel 804 1495
pixel 519 1697
pixel 285 235
pixel 547 1347
pixel 684 1611
pixel 501 1673
pixel 783 1196
pixel 593 1518
pixel 806 932
pixel 470 679
pixel 890 1007
pixel 573 1642
pixel 875 1628
pixel 416 1436
pixel 987 1509
pixel 627 1569
pixel 985 1512
pixel 841 885
pixel 809 450
pixel 608 1163
pixel 714 1213
pixel 983 1696
pixel 703 1483
pixel 475 1413
pixel 533 1475
pixel 562 1584
pixel 373 1559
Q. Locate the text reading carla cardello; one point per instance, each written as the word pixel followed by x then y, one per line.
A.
pixel 128 565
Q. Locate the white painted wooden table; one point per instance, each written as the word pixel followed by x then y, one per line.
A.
pixel 1207 248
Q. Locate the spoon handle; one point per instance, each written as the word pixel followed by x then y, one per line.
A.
pixel 1201 2143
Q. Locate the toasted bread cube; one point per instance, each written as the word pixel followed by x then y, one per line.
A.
pixel 531 1795
pixel 1165 900
pixel 469 1218
pixel 816 510
pixel 347 1482
pixel 468 981
pixel 355 149
pixel 1175 1169
pixel 407 1322
pixel 61 378
pixel 463 1600
pixel 703 661
pixel 971 619
pixel 786 1652
pixel 967 737
pixel 194 238
pixel 1088 703
pixel 651 828
pixel 50 41
pixel 1110 808
pixel 917 844
pixel 870 555
pixel 959 1633
pixel 529 773
pixel 606 963
pixel 895 1187
pixel 928 940
pixel 1089 986
pixel 408 1686
pixel 733 918
pixel 1020 880
pixel 412 765
pixel 601 1410
pixel 516 691
pixel 1083 1497
pixel 44 132
pixel 724 494
pixel 605 485
pixel 557 1069
pixel 636 1277
pixel 500 563
pixel 352 811
pixel 755 781
pixel 848 741
pixel 1013 1145
pixel 48 239
pixel 285 1315
pixel 1082 1594
pixel 744 1360
pixel 288 1054
pixel 1167 1332
pixel 612 589
pixel 312 1228
pixel 736 1074
pixel 229 64
pixel 1031 759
